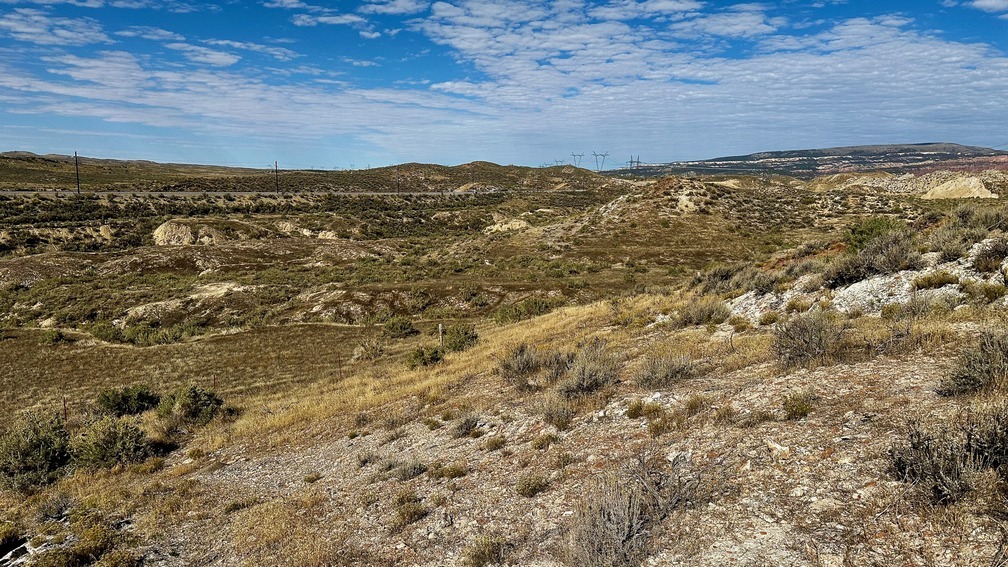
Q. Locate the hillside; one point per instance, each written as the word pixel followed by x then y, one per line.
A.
pixel 805 164
pixel 25 171
pixel 722 370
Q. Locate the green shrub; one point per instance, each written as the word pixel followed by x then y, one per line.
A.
pixel 424 356
pixel 192 405
pixel 526 309
pixel 52 337
pixel 110 441
pixel 808 338
pixel 883 254
pixel 458 338
pixel 665 371
pixel 592 368
pixel 861 232
pixel 34 452
pixel 949 241
pixel 131 400
pixel 982 367
pixel 106 331
pixel 399 327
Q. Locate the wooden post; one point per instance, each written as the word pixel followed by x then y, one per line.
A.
pixel 276 174
pixel 440 332
pixel 64 411
pixel 77 169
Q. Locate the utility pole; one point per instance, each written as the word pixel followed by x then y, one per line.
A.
pixel 77 168
pixel 600 164
pixel 577 159
pixel 397 189
pixel 276 174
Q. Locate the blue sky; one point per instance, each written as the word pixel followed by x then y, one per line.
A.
pixel 339 84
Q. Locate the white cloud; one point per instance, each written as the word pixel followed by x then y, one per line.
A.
pixel 991 5
pixel 150 33
pixel 199 54
pixel 370 34
pixel 278 53
pixel 36 26
pixel 395 7
pixel 308 20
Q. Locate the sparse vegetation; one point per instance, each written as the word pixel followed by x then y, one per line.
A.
pixel 399 327
pixel 458 338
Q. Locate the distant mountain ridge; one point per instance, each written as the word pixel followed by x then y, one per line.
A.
pixel 895 158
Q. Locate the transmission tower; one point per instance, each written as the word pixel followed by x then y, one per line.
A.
pixel 577 159
pixel 600 164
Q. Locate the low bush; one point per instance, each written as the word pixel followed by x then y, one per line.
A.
pixel 369 350
pixel 408 510
pixel 486 550
pixel 410 470
pixel 797 405
pixel 458 338
pixel 935 280
pixel 884 254
pixel 399 327
pixel 130 400
pixel 110 441
pixel 984 292
pixel 526 309
pixel 52 337
pixel 989 259
pixel 860 233
pixel 981 367
pixel 593 367
pixel 556 411
pixel 518 366
pixel 465 426
pixel 190 406
pixel 106 331
pixel 612 524
pixel 424 356
pixel 703 310
pixel 34 452
pixel 530 485
pixel 949 241
pixel 665 371
pixel 937 460
pixel 806 339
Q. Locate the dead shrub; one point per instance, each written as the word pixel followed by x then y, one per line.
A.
pixel 612 523
pixel 935 459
